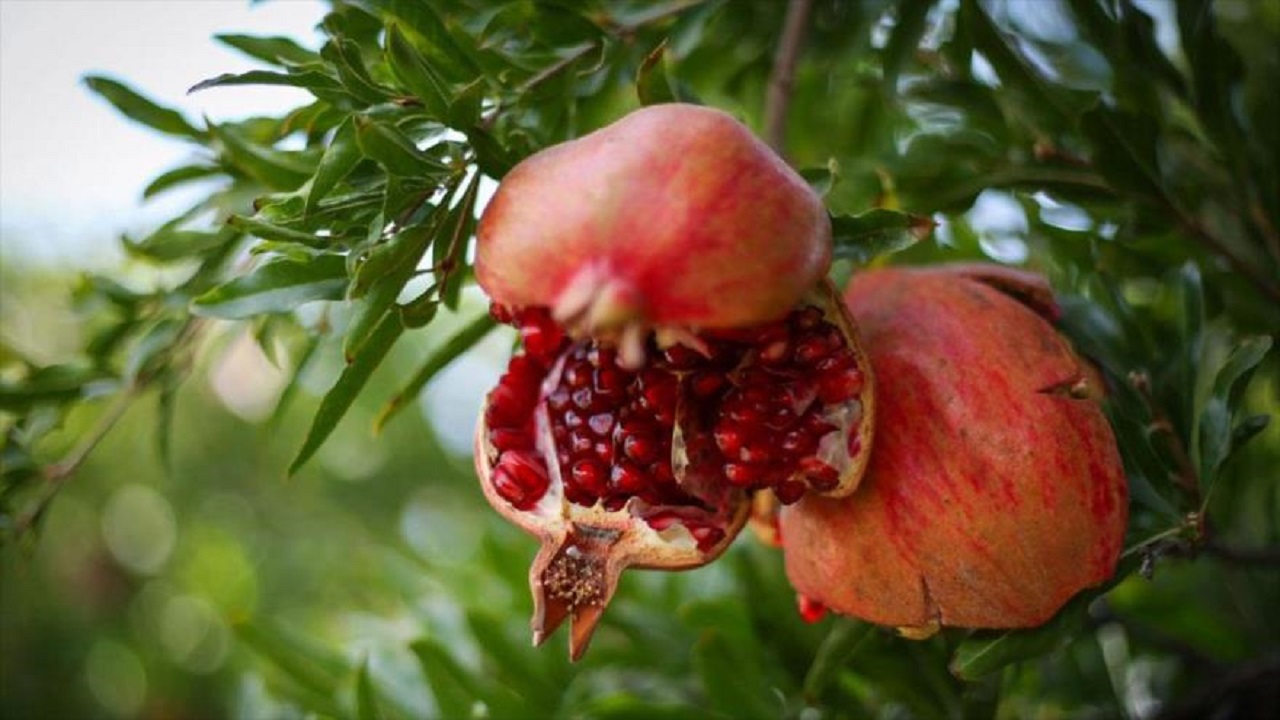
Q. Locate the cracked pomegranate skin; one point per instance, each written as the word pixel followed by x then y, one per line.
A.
pixel 676 214
pixel 995 491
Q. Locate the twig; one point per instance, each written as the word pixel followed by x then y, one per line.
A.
pixel 778 96
pixel 1198 232
pixel 57 474
pixel 1253 682
pixel 1187 479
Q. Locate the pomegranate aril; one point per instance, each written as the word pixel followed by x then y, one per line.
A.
pixel 811 611
pixel 508 406
pixel 501 314
pixel 580 442
pixel 706 536
pixel 601 424
pixel 682 357
pixel 626 479
pixel 743 474
pixel 610 381
pixel 706 384
pixel 604 452
pixel 806 318
pixel 755 453
pixel 542 341
pixel 520 477
pixel 590 477
pixel 797 443
pixel 558 400
pixel 820 475
pixel 789 491
pixel 811 350
pixel 640 448
pixel 728 440
pixel 510 438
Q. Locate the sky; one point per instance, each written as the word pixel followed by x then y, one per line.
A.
pixel 72 169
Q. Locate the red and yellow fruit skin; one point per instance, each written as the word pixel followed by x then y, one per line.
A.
pixel 676 215
pixel 995 490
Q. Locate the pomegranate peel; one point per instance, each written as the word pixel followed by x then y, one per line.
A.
pixel 995 490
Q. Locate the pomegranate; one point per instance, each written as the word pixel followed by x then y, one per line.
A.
pixel 995 490
pixel 680 351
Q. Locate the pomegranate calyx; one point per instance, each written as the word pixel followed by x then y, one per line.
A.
pixel 574 577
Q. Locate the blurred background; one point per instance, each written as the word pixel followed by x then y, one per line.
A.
pixel 203 582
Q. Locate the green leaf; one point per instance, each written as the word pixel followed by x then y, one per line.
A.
pixel 150 352
pixel 822 180
pixel 411 68
pixel 1124 150
pixel 837 649
pixel 307 79
pixel 139 108
pixel 986 651
pixel 179 176
pixel 308 663
pixel 449 351
pixel 339 159
pixel 277 286
pixel 169 244
pixel 275 50
pixel 344 56
pixel 391 149
pixel 277 169
pixel 52 384
pixel 443 54
pixel 908 27
pixel 277 233
pixel 349 384
pixel 385 273
pixel 867 235
pixel 451 685
pixel 653 84
pixel 733 685
pixel 366 699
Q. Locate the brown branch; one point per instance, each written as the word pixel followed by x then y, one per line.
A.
pixel 778 96
pixel 1244 556
pixel 1201 234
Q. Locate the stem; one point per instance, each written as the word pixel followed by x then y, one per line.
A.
pixel 781 78
pixel 57 474
pixel 1244 556
pixel 1246 270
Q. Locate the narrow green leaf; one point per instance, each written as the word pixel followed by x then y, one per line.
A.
pixel 269 231
pixel 139 108
pixel 366 699
pixel 275 50
pixel 653 84
pixel 349 384
pixel 908 27
pixel 987 651
pixel 166 408
pixel 1124 150
pixel 307 663
pixel 339 159
pixel 733 687
pixel 277 286
pixel 822 180
pixel 277 169
pixel 867 235
pixel 305 79
pixel 150 352
pixel 391 149
pixel 451 684
pixel 52 384
pixel 443 54
pixel 411 68
pixel 449 259
pixel 169 244
pixel 463 340
pixel 491 156
pixel 385 273
pixel 291 388
pixel 179 176
pixel 839 646
pixel 344 56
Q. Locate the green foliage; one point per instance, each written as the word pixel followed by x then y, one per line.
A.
pixel 1130 149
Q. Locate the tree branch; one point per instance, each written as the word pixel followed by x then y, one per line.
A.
pixel 778 96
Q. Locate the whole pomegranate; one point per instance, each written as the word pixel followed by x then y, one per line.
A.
pixel 680 350
pixel 995 491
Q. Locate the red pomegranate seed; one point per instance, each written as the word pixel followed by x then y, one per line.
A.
pixel 520 478
pixel 806 318
pixel 510 438
pixel 590 476
pixel 626 479
pixel 601 424
pixel 755 453
pixel 661 521
pixel 811 611
pixel 682 357
pixel 706 536
pixel 742 474
pixel 508 406
pixel 580 442
pixel 729 440
pixel 500 313
pixel 706 384
pixel 839 386
pixel 811 350
pixel 820 475
pixel 640 448
pixel 789 491
pixel 797 443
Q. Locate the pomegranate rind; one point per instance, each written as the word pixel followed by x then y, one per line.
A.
pixel 992 495
pixel 676 215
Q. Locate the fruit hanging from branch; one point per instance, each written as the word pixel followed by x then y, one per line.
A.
pixel 995 491
pixel 681 350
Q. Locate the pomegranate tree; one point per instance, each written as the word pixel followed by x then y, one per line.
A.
pixel 995 490
pixel 680 350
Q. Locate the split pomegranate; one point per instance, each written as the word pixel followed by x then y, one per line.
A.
pixel 995 491
pixel 680 351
